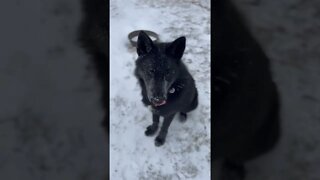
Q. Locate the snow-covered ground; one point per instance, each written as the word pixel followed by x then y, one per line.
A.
pixel 186 153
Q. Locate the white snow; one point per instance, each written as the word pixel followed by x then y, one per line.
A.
pixel 186 153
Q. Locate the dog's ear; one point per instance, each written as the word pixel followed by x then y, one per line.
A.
pixel 144 44
pixel 176 48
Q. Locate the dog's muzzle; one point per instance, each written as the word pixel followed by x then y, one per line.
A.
pixel 157 101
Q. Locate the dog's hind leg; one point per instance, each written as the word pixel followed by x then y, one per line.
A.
pixel 161 138
pixel 154 126
pixel 192 106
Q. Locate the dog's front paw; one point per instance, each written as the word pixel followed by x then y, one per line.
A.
pixel 150 130
pixel 159 141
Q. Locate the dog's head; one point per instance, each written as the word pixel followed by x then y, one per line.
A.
pixel 158 65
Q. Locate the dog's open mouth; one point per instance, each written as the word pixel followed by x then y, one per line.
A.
pixel 160 103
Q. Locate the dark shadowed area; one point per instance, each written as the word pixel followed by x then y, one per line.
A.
pixel 287 31
pixel 50 97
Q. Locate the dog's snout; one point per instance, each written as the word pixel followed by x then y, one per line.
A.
pixel 158 101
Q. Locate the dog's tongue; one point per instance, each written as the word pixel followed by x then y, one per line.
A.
pixel 160 103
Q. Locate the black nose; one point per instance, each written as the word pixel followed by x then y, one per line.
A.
pixel 158 100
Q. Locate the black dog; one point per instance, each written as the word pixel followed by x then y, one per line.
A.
pixel 245 100
pixel 167 86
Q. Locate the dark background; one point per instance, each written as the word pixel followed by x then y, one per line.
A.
pixel 50 109
pixel 288 32
pixel 50 96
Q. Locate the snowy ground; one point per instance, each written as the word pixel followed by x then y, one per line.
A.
pixel 289 32
pixel 186 153
pixel 50 114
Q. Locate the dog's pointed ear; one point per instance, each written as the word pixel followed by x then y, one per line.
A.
pixel 144 44
pixel 176 48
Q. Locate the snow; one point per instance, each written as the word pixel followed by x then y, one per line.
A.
pixel 186 153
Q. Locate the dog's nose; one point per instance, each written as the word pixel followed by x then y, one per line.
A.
pixel 158 101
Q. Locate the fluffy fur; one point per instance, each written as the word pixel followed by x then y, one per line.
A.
pixel 167 86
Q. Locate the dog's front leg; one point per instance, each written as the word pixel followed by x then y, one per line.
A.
pixel 161 138
pixel 154 126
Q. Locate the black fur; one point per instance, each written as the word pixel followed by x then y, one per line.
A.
pixel 159 69
pixel 93 37
pixel 245 99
